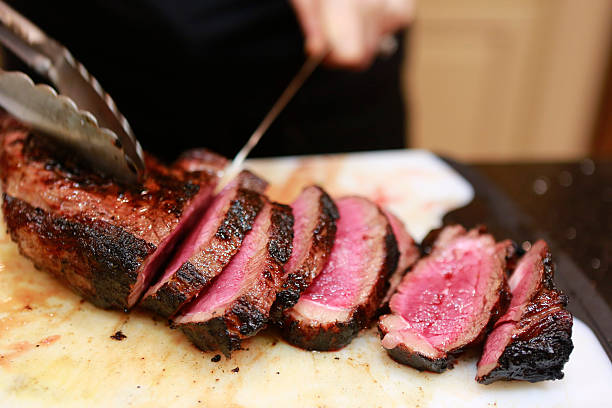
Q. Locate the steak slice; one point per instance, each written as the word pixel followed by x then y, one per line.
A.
pixel 209 247
pixel 532 340
pixel 237 303
pixel 447 301
pixel 408 253
pixel 343 299
pixel 315 217
pixel 103 240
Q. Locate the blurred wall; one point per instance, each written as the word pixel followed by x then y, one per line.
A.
pixel 507 79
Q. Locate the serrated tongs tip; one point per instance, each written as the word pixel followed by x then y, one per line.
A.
pixel 82 115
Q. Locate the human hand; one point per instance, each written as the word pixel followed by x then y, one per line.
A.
pixel 350 31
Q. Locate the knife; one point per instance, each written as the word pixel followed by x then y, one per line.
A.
pixel 83 117
pixel 232 170
pixel 387 47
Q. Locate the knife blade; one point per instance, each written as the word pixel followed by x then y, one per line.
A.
pixel 53 61
pixel 387 47
pixel 230 171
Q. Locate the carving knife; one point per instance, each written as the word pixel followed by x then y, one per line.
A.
pixel 83 117
pixel 230 171
pixel 387 47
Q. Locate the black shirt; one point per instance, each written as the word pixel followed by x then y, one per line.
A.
pixel 203 73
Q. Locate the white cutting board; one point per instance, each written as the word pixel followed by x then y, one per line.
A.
pixel 56 351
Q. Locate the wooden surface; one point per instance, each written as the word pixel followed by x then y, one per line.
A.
pixel 507 79
pixel 56 350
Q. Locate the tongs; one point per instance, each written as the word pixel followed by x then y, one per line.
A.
pixel 82 117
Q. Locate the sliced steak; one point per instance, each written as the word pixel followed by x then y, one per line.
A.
pixel 201 160
pixel 344 297
pixel 532 340
pixel 315 217
pixel 237 303
pixel 103 240
pixel 408 253
pixel 447 301
pixel 209 247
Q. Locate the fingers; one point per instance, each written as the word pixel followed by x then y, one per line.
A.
pixel 399 13
pixel 308 13
pixel 345 31
pixel 350 31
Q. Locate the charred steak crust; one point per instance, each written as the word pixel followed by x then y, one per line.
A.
pixel 404 355
pixel 336 335
pixel 323 238
pixel 541 342
pixel 326 336
pixel 97 260
pixel 225 333
pixel 79 203
pixel 202 267
pixel 248 314
pixel 537 356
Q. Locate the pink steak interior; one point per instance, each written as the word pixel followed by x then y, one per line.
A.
pixel 237 276
pixel 305 209
pixel 203 232
pixel 523 283
pixel 155 261
pixel 441 299
pixel 339 284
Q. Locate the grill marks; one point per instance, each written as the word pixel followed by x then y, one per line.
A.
pixel 104 240
pixel 210 247
pixel 97 260
pixel 237 304
pixel 446 303
pixel 532 340
pixel 315 217
pixel 343 299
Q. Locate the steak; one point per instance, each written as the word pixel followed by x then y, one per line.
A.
pixel 201 160
pixel 315 217
pixel 237 303
pixel 447 301
pixel 532 340
pixel 408 253
pixel 345 296
pixel 209 247
pixel 105 241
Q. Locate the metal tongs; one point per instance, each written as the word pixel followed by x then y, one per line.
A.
pixel 83 117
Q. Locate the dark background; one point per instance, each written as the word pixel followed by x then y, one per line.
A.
pixel 204 74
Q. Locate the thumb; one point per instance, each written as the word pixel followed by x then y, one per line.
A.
pixel 344 27
pixel 308 13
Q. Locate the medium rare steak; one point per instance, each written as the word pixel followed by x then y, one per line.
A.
pixel 237 303
pixel 447 301
pixel 532 340
pixel 344 297
pixel 408 253
pixel 210 246
pixel 103 240
pixel 315 217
